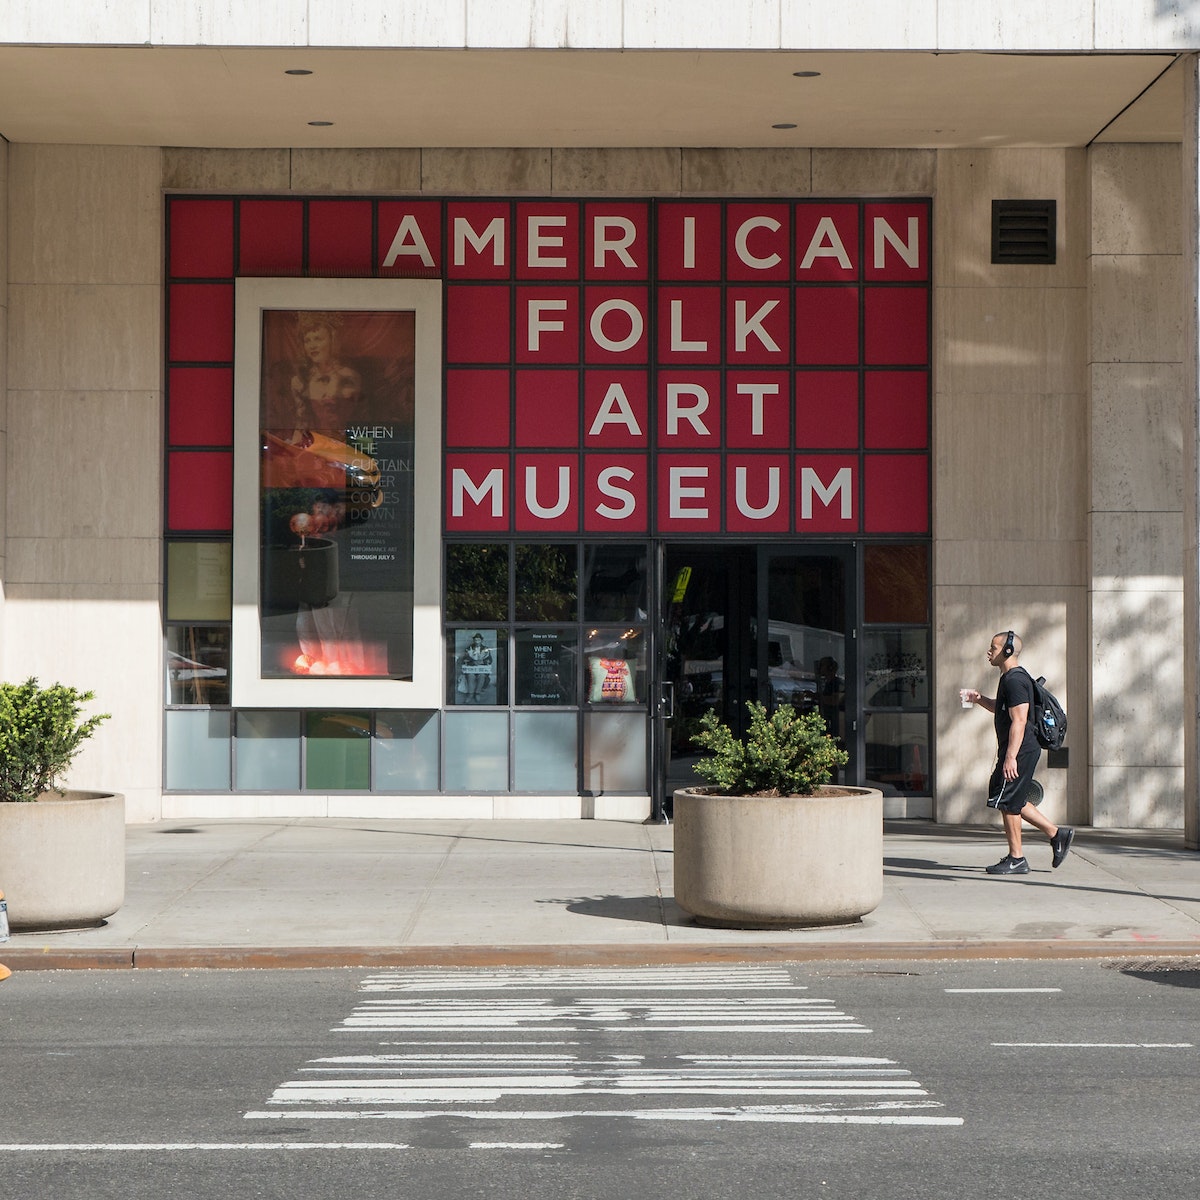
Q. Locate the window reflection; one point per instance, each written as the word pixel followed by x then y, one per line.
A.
pixel 897 668
pixel 614 587
pixel 546 582
pixel 198 664
pixel 476 583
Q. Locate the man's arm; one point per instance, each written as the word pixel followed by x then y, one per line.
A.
pixel 1016 735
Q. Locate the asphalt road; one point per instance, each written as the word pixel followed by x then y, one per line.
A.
pixel 1060 1079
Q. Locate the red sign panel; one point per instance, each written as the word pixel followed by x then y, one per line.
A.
pixel 612 366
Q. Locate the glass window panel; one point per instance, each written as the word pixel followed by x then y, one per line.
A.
pixel 897 668
pixel 614 752
pixel 199 581
pixel 198 664
pixel 896 585
pixel 547 666
pixel 546 579
pixel 406 752
pixel 197 751
pixel 268 751
pixel 898 752
pixel 476 583
pixel 546 752
pixel 477 669
pixel 337 751
pixel 477 752
pixel 615 666
pixel 614 583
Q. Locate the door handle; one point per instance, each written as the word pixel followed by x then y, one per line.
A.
pixel 666 700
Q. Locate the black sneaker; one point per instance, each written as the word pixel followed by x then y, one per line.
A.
pixel 1009 866
pixel 1060 843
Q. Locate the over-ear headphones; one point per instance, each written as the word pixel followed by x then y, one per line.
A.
pixel 1008 650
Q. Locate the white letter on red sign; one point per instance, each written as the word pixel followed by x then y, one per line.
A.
pixel 810 482
pixel 636 325
pixel 462 485
pixel 691 413
pixel 605 484
pixel 564 493
pixel 463 233
pixel 910 251
pixel 408 240
pixel 677 342
pixel 537 326
pixel 679 493
pixel 818 248
pixel 539 240
pixel 747 325
pixel 740 243
pixel 615 409
pixel 756 392
pixel 744 506
pixel 618 245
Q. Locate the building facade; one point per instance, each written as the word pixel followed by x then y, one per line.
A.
pixel 451 462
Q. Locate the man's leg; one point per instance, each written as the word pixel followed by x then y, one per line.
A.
pixel 1012 830
pixel 1034 817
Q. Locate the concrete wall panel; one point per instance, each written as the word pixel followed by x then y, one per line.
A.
pixel 206 170
pixel 84 336
pixel 867 24
pixel 1136 200
pixel 489 171
pixel 746 172
pixel 967 183
pixel 56 188
pixel 1136 310
pixel 548 24
pixel 633 172
pixel 1136 436
pixel 350 171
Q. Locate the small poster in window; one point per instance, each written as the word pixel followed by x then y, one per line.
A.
pixel 545 667
pixel 475 666
pixel 611 681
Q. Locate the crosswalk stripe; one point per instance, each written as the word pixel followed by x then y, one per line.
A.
pixel 422 1078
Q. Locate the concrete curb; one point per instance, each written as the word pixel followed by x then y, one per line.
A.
pixel 314 957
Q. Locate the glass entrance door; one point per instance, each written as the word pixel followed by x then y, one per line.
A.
pixel 767 623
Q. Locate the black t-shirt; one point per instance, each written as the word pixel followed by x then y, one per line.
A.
pixel 1015 689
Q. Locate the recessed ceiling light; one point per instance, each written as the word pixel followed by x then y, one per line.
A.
pixel 297 71
pixel 806 74
pixel 320 122
pixel 784 125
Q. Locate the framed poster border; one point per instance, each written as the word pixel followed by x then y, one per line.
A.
pixel 249 688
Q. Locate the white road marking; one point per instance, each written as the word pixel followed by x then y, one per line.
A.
pixel 415 1079
pixel 999 991
pixel 161 1147
pixel 779 1114
pixel 670 979
pixel 517 1145
pixel 775 1014
pixel 1100 1045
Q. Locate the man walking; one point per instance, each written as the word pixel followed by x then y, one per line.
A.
pixel 1017 754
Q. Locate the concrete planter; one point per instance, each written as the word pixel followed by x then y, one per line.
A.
pixel 752 862
pixel 62 860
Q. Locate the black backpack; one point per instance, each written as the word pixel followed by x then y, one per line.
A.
pixel 1048 716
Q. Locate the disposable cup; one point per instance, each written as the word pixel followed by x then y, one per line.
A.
pixel 963 695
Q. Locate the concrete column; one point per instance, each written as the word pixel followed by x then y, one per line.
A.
pixel 1135 509
pixel 3 392
pixel 84 529
pixel 1190 225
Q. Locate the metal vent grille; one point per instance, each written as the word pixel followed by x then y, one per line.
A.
pixel 1024 231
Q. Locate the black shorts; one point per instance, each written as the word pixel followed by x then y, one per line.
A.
pixel 1012 795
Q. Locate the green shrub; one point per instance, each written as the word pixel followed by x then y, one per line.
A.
pixel 783 754
pixel 40 733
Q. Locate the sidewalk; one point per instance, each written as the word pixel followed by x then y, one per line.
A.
pixel 308 893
